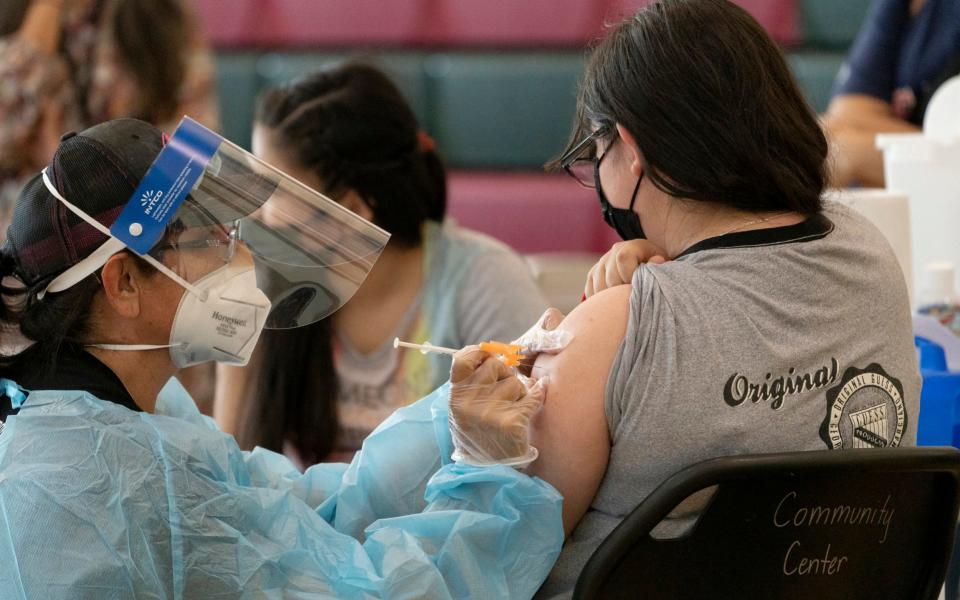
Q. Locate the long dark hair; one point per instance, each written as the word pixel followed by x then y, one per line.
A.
pixel 12 13
pixel 59 319
pixel 62 318
pixel 712 104
pixel 153 39
pixel 351 127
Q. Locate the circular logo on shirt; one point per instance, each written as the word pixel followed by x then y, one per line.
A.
pixel 865 410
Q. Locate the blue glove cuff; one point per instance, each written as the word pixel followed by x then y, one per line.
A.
pixel 13 391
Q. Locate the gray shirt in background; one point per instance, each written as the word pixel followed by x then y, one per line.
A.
pixel 475 289
pixel 793 338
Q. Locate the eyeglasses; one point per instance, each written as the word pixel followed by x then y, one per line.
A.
pixel 580 167
pixel 218 239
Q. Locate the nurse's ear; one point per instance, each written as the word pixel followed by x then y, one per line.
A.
pixel 635 157
pixel 122 281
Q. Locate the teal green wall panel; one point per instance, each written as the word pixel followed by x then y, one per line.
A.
pixel 404 68
pixel 236 77
pixel 815 72
pixel 502 110
pixel 485 109
pixel 831 23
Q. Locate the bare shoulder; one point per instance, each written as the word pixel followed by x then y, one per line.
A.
pixel 594 321
pixel 571 429
pixel 598 327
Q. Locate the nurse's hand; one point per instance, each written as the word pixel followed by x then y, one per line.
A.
pixel 616 267
pixel 490 411
pixel 543 337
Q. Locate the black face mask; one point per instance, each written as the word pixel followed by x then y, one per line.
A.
pixel 623 220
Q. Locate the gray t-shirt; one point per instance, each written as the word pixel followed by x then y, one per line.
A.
pixel 794 338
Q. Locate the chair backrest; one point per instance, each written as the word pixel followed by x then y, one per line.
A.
pixel 874 523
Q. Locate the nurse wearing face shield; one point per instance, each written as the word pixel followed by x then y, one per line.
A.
pixel 129 258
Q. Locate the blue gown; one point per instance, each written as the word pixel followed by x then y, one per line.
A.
pixel 97 501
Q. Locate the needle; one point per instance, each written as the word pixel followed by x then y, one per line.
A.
pixel 424 347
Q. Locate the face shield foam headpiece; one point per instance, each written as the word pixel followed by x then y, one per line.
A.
pixel 251 246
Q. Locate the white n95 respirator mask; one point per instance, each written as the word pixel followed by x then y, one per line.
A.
pixel 221 323
pixel 226 326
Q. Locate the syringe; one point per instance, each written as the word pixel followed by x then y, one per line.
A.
pixel 511 353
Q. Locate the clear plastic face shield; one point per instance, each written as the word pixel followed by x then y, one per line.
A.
pixel 253 247
pixel 309 254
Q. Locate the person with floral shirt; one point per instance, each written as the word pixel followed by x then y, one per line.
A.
pixel 65 66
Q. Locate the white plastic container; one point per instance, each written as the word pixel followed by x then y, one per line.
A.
pixel 890 212
pixel 926 167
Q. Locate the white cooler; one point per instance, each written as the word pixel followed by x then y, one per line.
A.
pixel 926 167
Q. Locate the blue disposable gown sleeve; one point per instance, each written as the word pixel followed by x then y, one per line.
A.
pixel 387 478
pixel 352 496
pixel 409 522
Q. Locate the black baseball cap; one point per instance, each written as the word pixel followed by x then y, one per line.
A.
pixel 97 170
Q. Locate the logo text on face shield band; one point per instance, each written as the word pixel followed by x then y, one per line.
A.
pixel 163 189
pixel 149 200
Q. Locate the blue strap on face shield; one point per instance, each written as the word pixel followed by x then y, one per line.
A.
pixel 13 391
pixel 165 186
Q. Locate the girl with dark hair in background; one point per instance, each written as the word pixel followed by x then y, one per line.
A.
pixel 317 392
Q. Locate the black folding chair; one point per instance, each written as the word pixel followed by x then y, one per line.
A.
pixel 875 523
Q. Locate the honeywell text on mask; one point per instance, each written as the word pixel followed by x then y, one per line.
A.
pixel 230 320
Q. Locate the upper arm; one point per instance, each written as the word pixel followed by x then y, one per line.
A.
pixel 863 113
pixel 571 430
pixel 231 383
